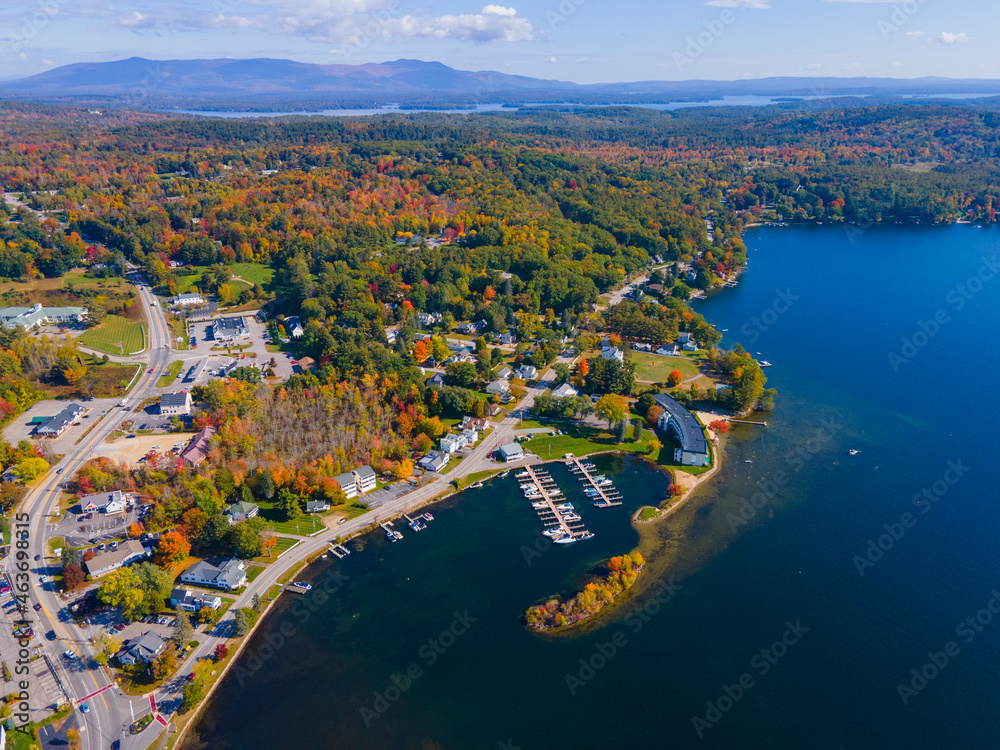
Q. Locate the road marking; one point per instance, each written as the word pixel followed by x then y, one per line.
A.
pixel 97 692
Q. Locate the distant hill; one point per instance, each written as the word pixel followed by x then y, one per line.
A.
pixel 286 84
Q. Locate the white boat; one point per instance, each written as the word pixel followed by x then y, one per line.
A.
pixel 605 483
pixel 852 452
pixel 764 363
pixel 567 539
pixel 554 532
pixel 571 517
pixel 503 474
pixel 539 506
pixel 748 461
pixel 521 474
pixel 565 506
pixel 586 535
pixel 475 486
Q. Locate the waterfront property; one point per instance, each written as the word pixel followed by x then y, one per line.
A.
pixel 175 403
pixel 511 452
pixel 36 315
pixel 57 425
pixel 125 554
pixel 357 482
pixel 230 575
pixel 433 461
pixel 678 421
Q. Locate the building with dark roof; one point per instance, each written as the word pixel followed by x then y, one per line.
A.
pixel 198 448
pixel 231 329
pixel 175 403
pixel 678 421
pixel 56 426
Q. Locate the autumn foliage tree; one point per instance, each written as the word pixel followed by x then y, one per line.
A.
pixel 173 548
pixel 674 378
pixel 73 577
pixel 720 426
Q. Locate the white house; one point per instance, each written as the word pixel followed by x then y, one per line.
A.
pixel 185 300
pixel 294 327
pixel 512 452
pixel 468 437
pixel 498 388
pixel 526 372
pixel 104 502
pixel 144 648
pixel 175 403
pixel 230 575
pixel 565 391
pixel 187 600
pixel 365 478
pixel 433 461
pixel 36 315
pixel 690 346
pixel 241 511
pixel 348 485
pixel 451 443
pixel 231 330
pixel 109 560
pixel 55 426
pixel 667 350
pixel 613 352
pixel 504 373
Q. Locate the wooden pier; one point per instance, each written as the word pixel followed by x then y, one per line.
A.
pixel 605 498
pixel 747 421
pixel 549 495
pixel 339 550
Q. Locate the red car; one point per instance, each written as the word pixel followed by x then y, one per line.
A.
pixel 150 372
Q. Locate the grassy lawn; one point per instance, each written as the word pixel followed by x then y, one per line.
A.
pixel 456 459
pixel 648 513
pixel 116 335
pixel 167 379
pixel 253 571
pixel 480 476
pixel 306 526
pixel 179 328
pixel 586 440
pixel 283 544
pixel 292 573
pixel 254 273
pixel 656 369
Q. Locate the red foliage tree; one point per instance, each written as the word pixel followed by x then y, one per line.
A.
pixel 221 652
pixel 674 378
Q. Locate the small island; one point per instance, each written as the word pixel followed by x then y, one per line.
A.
pixel 554 614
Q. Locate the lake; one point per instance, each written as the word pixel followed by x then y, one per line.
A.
pixel 783 605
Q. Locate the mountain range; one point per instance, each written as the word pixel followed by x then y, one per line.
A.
pixel 288 83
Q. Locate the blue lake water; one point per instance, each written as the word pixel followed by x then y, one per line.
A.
pixel 783 550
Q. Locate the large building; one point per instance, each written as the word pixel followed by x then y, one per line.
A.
pixel 198 448
pixel 36 315
pixel 55 426
pixel 231 575
pixel 231 330
pixel 104 562
pixel 184 300
pixel 175 403
pixel 104 502
pixel 678 421
pixel 357 482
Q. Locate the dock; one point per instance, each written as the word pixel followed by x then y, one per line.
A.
pixel 294 589
pixel 391 533
pixel 416 524
pixel 747 421
pixel 339 550
pixel 605 495
pixel 547 496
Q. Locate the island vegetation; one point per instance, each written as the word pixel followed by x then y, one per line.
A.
pixel 621 574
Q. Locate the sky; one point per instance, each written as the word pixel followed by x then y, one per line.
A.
pixel 586 41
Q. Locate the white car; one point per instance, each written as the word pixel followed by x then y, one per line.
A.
pixel 69 654
pixel 43 579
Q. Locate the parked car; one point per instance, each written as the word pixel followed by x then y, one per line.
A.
pixel 51 635
pixel 43 579
pixel 68 654
pixel 84 708
pixel 37 607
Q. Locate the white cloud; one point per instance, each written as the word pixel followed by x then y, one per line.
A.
pixel 915 33
pixel 496 23
pixel 948 37
pixel 754 4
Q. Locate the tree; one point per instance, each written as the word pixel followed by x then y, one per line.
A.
pixel 192 694
pixel 194 520
pixel 653 415
pixel 29 469
pixel 460 374
pixel 403 469
pixel 674 490
pixel 289 502
pixel 73 738
pixel 106 646
pixel 221 652
pixel 674 378
pixel 561 371
pixel 173 548
pixel 136 530
pixel 421 351
pixel 655 446
pixel 183 630
pixel 245 539
pixel 73 577
pixel 621 431
pixel 612 408
pixel 241 626
pixel 123 588
pixel 637 430
pixel 247 375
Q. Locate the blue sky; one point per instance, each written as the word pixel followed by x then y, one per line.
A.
pixel 586 41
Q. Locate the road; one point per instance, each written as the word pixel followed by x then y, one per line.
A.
pixel 619 294
pixel 110 711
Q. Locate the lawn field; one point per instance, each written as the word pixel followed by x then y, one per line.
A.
pixel 116 335
pixel 167 379
pixel 254 273
pixel 283 544
pixel 654 368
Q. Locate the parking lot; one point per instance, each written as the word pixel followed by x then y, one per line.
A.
pixel 202 332
pixel 23 429
pixel 80 531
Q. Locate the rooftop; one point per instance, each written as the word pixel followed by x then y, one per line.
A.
pixel 691 435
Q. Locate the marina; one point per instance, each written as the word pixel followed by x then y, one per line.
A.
pixel 598 487
pixel 562 524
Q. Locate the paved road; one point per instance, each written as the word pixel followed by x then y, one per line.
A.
pixel 618 295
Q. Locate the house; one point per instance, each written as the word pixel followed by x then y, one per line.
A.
pixel 433 461
pixel 493 410
pixel 109 560
pixel 175 403
pixel 526 372
pixel 668 350
pixel 230 575
pixel 241 511
pixel 451 443
pixel 683 337
pixel 57 425
pixel 391 334
pixel 231 330
pixel 36 315
pixel 640 347
pixel 144 648
pixel 348 485
pixel 198 448
pixel 104 502
pixel 613 352
pixel 690 346
pixel 474 423
pixel 504 373
pixel 469 437
pixel 498 388
pixel 306 364
pixel 565 391
pixel 186 300
pixel 317 506
pixel 467 328
pixel 365 478
pixel 294 327
pixel 429 319
pixel 187 600
pixel 655 289
pixel 511 452
pixel 507 338
pixel 436 379
pixel 678 421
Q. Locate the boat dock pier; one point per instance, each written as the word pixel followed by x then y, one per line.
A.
pixel 339 550
pixel 562 524
pixel 415 523
pixel 391 533
pixel 605 495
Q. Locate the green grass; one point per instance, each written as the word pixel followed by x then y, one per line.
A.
pixel 253 571
pixel 456 459
pixel 116 335
pixel 253 273
pixel 292 573
pixel 307 525
pixel 587 440
pixel 284 543
pixel 648 513
pixel 480 476
pixel 167 379
pixel 656 369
